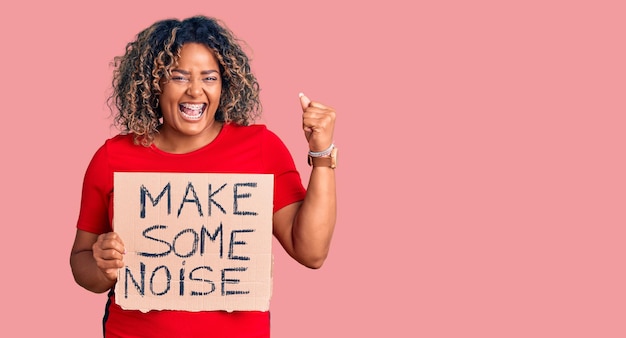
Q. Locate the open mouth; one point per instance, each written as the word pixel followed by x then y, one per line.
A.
pixel 192 111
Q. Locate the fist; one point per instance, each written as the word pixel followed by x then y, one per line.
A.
pixel 318 123
pixel 108 251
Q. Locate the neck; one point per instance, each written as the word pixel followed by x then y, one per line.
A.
pixel 176 143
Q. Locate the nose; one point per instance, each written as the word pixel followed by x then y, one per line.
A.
pixel 194 89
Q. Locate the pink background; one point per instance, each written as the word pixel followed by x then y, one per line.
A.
pixel 481 179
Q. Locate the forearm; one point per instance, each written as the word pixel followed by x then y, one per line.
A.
pixel 87 274
pixel 315 222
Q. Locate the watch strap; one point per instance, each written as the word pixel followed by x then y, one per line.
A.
pixel 325 161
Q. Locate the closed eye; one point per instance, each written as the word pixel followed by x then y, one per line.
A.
pixel 179 79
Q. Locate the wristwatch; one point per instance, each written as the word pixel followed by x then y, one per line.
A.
pixel 325 161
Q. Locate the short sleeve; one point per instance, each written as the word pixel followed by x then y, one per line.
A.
pixel 96 192
pixel 288 186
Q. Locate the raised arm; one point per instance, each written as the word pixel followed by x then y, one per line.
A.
pixel 305 229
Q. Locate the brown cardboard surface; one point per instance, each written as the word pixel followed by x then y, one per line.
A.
pixel 193 241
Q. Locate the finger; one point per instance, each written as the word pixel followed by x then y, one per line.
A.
pixel 108 258
pixel 110 269
pixel 112 236
pixel 110 254
pixel 105 264
pixel 304 101
pixel 318 105
pixel 111 241
pixel 111 274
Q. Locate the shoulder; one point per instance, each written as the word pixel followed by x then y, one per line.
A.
pixel 120 141
pixel 256 135
pixel 119 144
pixel 253 129
pixel 256 131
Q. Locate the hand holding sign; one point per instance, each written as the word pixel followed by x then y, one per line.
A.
pixel 318 123
pixel 108 251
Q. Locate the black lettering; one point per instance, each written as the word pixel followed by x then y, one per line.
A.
pixel 232 281
pixel 168 278
pixel 193 200
pixel 181 282
pixel 194 246
pixel 211 200
pixel 191 277
pixel 237 196
pixel 141 287
pixel 142 199
pixel 160 254
pixel 205 233
pixel 233 242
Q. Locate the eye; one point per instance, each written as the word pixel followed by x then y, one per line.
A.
pixel 210 78
pixel 178 78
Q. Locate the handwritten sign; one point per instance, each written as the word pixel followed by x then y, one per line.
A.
pixel 194 242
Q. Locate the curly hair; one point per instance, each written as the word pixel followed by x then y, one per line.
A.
pixel 150 58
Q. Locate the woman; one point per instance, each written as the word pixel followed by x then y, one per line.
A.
pixel 186 101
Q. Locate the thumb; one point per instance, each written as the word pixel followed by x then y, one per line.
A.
pixel 304 101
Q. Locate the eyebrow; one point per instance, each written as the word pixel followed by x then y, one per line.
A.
pixel 204 72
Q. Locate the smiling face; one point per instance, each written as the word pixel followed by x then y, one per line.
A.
pixel 189 101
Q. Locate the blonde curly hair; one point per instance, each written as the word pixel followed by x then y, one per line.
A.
pixel 149 59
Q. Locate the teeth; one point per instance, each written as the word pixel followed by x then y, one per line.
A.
pixel 193 106
pixel 196 108
pixel 194 117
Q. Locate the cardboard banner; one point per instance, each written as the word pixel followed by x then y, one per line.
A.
pixel 194 242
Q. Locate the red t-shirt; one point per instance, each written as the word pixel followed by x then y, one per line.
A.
pixel 237 149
